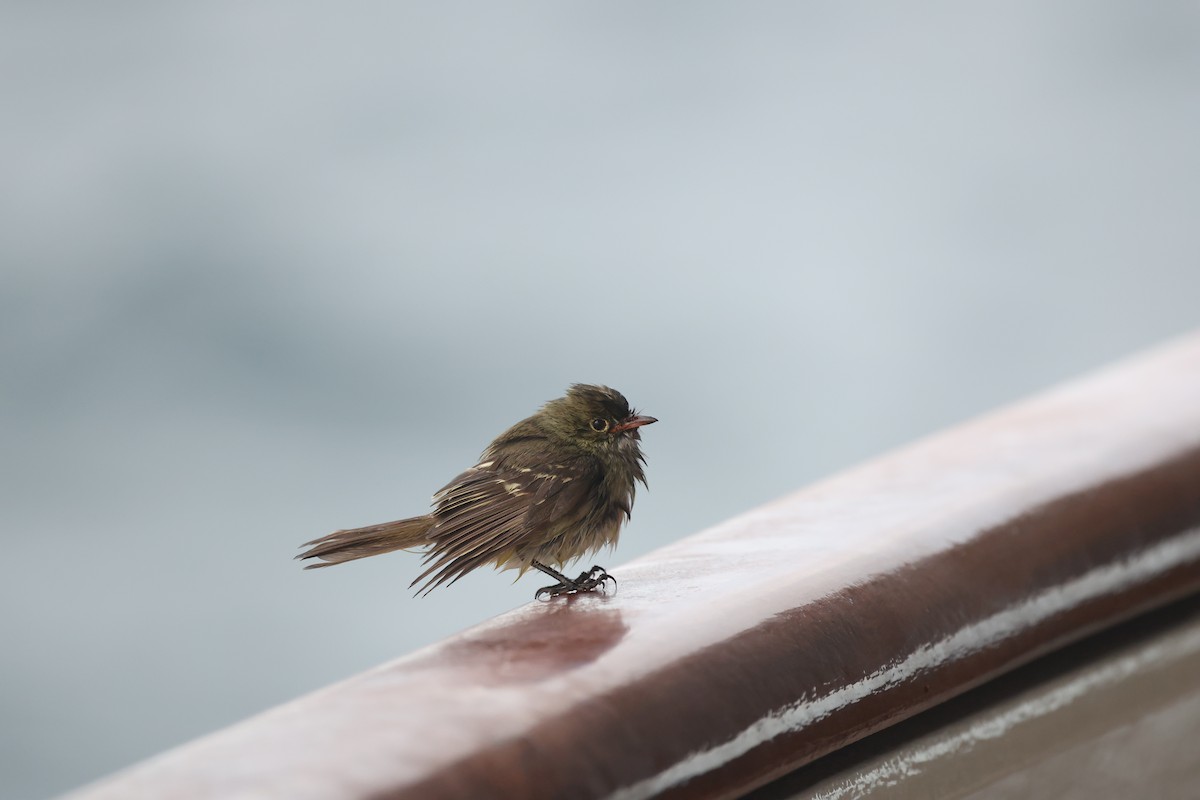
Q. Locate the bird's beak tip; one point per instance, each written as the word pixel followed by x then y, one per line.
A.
pixel 635 422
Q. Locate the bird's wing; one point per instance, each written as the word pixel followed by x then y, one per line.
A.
pixel 564 495
pixel 491 511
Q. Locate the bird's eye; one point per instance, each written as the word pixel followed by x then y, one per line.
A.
pixel 599 425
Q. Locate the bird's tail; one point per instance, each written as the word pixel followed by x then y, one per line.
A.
pixel 372 540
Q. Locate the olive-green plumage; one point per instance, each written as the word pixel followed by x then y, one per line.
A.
pixel 550 489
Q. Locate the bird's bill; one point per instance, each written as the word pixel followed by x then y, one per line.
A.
pixel 633 422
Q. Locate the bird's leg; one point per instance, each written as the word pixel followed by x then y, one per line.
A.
pixel 564 586
pixel 586 582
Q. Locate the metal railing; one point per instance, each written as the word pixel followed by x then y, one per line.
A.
pixel 746 651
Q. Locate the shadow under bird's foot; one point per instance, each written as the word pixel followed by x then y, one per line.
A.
pixel 590 581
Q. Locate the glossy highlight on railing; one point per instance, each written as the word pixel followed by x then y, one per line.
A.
pixel 741 653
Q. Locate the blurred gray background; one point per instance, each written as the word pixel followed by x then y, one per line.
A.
pixel 272 269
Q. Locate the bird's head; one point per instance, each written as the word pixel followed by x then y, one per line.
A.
pixel 594 417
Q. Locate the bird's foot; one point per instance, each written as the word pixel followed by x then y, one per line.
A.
pixel 595 578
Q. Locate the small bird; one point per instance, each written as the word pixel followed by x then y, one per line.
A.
pixel 551 488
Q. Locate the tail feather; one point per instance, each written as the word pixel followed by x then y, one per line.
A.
pixel 354 543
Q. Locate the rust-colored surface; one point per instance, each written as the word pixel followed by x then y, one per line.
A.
pixel 741 653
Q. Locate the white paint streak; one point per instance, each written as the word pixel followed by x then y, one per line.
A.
pixel 913 762
pixel 1101 581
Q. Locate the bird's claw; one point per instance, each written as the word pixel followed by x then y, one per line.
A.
pixel 547 592
pixel 595 578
